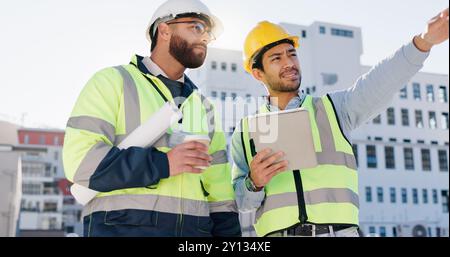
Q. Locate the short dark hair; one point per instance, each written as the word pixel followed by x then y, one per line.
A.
pixel 202 17
pixel 153 38
pixel 257 62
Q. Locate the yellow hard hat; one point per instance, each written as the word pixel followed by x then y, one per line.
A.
pixel 265 33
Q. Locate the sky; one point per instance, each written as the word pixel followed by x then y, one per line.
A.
pixel 50 48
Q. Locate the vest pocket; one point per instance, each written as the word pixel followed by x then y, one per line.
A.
pixel 131 218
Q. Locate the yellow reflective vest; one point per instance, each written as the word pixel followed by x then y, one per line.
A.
pixel 326 194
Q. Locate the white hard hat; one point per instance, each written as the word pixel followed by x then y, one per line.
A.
pixel 173 8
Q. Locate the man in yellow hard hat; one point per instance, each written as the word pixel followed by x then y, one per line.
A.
pixel 321 201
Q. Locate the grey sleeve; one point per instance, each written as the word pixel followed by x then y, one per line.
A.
pixel 245 199
pixel 373 92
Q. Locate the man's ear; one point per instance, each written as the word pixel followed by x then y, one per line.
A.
pixel 164 32
pixel 258 74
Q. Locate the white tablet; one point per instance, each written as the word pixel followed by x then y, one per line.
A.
pixel 288 131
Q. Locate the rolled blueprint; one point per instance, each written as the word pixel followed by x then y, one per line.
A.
pixel 143 136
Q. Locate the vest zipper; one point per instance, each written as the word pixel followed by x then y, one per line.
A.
pixel 180 221
pixel 303 217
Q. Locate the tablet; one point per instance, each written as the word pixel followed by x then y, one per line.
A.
pixel 288 131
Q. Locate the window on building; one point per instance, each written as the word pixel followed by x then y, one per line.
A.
pixel 393 194
pixel 415 196
pixel 42 139
pixel 426 159
pixel 56 140
pixel 442 94
pixel 424 195
pixel 233 67
pixel 438 232
pixel 404 195
pixel 389 157
pixel 32 189
pixel 223 66
pixel 303 33
pixel 70 229
pixel 214 94
pixel 444 196
pixel 26 139
pixel 371 156
pixel 329 79
pixel 416 92
pixel 392 139
pixel 223 96
pixel 405 117
pixel 380 195
pixel 234 96
pixel 248 97
pixel 421 142
pixel 355 153
pixel 391 116
pixel 377 120
pixel 409 158
pixel 372 230
pixel 214 65
pixel 322 30
pixel 444 120
pixel 342 33
pixel 404 93
pixel 394 232
pixel 443 160
pixel 378 139
pixel 419 119
pixel 430 93
pixel 56 155
pixel 50 207
pixel 368 194
pixel 432 120
pixel 435 196
pixel 383 231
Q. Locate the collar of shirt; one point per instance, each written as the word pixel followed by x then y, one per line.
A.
pixel 155 70
pixel 295 102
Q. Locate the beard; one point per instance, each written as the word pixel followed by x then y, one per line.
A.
pixel 285 87
pixel 185 54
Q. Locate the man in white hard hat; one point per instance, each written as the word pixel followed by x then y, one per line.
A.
pixel 171 188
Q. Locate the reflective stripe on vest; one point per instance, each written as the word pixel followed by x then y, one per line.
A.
pixel 330 189
pixel 158 203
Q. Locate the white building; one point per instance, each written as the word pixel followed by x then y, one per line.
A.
pixel 10 180
pixel 403 158
pixel 48 209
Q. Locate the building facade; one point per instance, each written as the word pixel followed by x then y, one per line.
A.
pixel 46 206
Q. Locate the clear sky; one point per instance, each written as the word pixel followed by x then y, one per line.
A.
pixel 50 48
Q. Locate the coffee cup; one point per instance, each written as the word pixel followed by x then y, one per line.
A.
pixel 203 139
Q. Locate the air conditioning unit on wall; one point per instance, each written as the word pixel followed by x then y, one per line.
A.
pixel 412 230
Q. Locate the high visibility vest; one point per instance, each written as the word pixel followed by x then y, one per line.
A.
pixel 115 102
pixel 326 194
